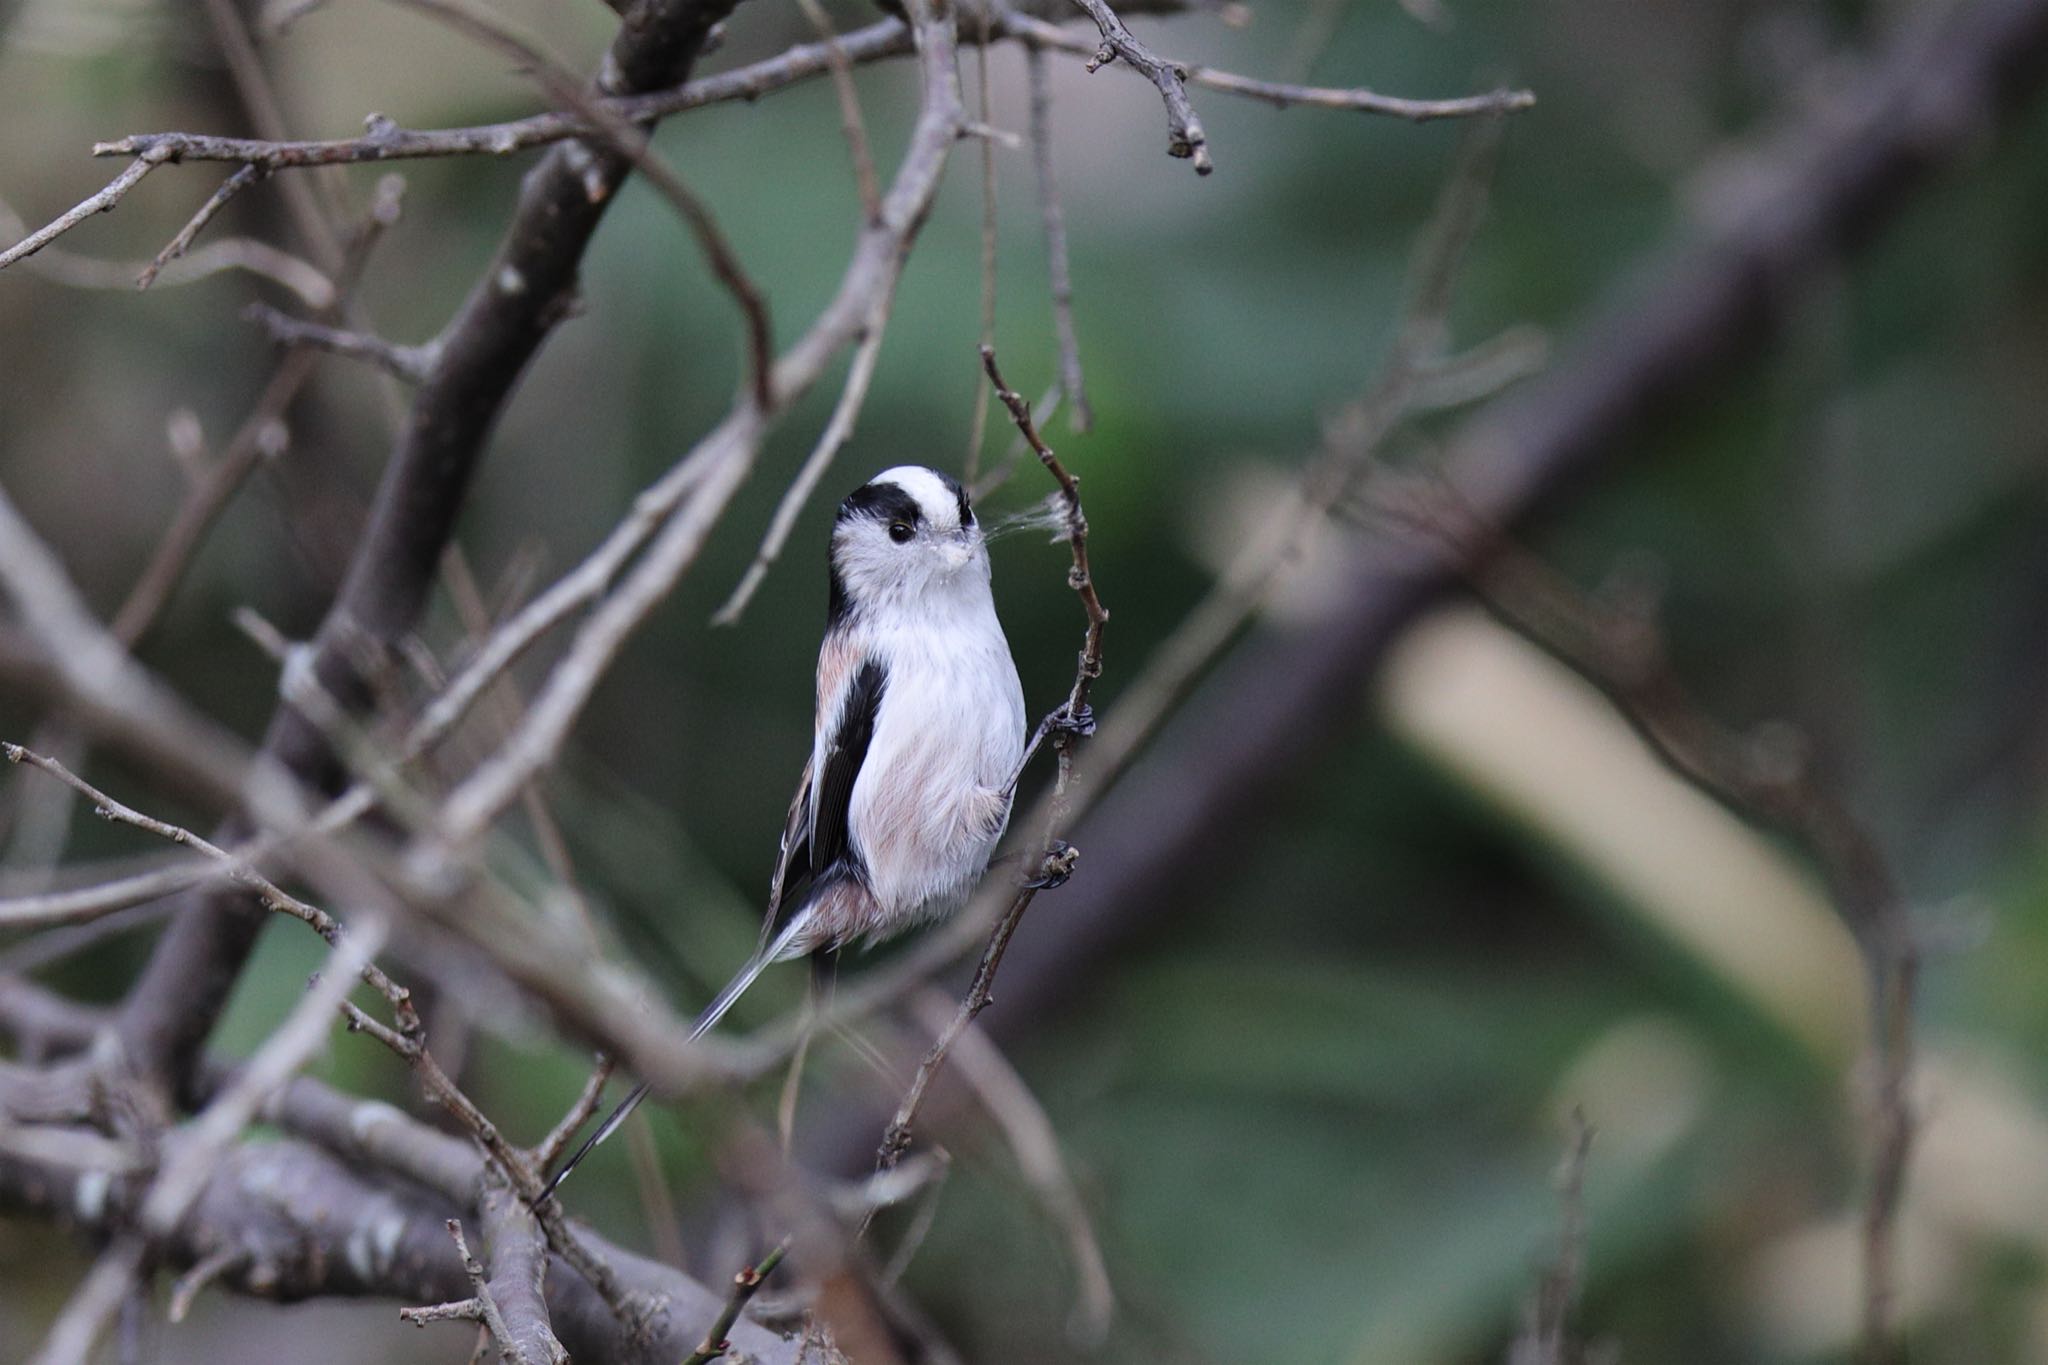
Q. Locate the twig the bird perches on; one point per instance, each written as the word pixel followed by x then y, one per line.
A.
pixel 1068 726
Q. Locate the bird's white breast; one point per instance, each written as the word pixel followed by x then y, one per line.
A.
pixel 932 797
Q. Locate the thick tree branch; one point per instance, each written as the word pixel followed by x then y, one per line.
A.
pixel 526 289
pixel 345 1233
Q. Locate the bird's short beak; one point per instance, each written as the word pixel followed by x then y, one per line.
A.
pixel 959 549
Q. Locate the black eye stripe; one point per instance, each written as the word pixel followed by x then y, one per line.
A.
pixel 883 502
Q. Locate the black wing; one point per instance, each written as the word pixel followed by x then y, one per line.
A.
pixel 817 845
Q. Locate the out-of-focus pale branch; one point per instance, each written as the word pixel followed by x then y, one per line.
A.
pixel 346 1232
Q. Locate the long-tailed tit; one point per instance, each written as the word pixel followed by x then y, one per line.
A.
pixel 920 733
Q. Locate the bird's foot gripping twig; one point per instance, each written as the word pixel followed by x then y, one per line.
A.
pixel 1077 721
pixel 1057 866
pixel 1067 721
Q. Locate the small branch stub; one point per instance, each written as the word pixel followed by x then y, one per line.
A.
pixel 744 1286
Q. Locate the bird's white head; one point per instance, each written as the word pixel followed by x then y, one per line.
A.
pixel 904 540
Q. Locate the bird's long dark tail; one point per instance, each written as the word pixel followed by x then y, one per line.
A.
pixel 708 1020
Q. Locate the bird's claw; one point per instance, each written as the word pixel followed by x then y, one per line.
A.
pixel 1057 867
pixel 1079 722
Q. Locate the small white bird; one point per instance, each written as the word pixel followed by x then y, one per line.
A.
pixel 920 733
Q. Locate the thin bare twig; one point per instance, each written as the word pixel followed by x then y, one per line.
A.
pixel 850 119
pixel 215 202
pixel 631 142
pixel 479 1308
pixel 1184 135
pixel 100 202
pixel 978 427
pixel 1354 99
pixel 1542 1340
pixel 1029 1133
pixel 1068 726
pixel 302 278
pixel 410 363
pixel 265 112
pixel 386 141
pixel 744 1286
pixel 1080 417
pixel 78 905
pixel 557 1141
pixel 838 430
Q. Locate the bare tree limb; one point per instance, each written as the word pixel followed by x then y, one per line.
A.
pixel 523 293
pixel 348 1233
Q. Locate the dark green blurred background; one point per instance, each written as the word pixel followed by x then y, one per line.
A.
pixel 1314 1113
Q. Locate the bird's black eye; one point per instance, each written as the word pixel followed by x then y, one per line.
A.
pixel 900 532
